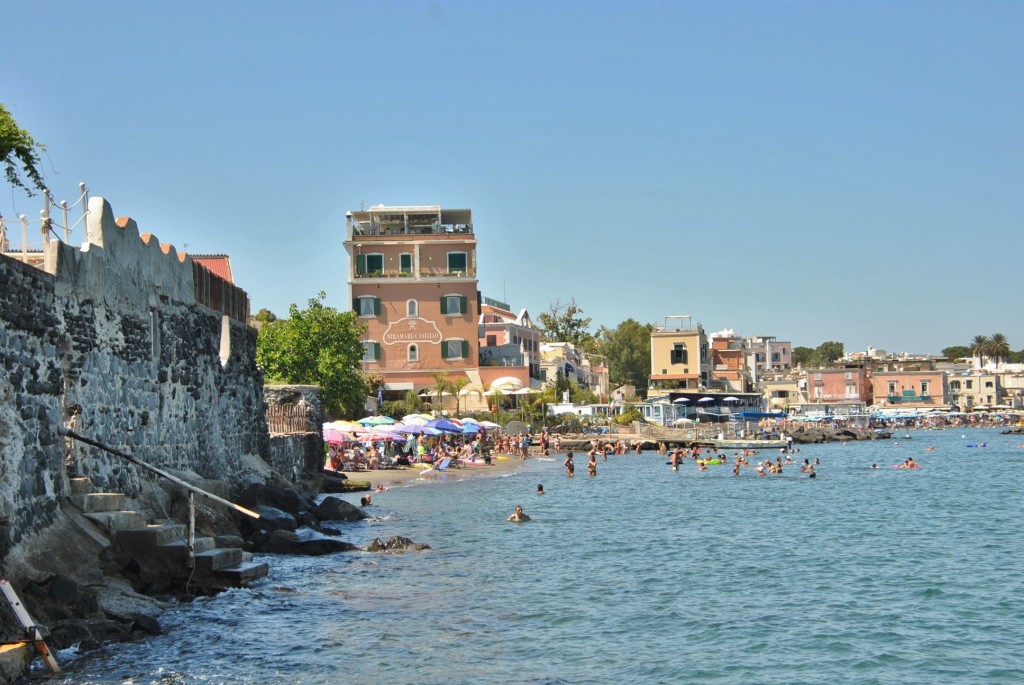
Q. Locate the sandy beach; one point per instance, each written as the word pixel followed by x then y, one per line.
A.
pixel 398 476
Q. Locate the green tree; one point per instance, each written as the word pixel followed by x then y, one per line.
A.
pixel 317 346
pixel 566 323
pixel 998 347
pixel 956 352
pixel 821 356
pixel 828 352
pixel 979 347
pixel 627 351
pixel 441 385
pixel 804 356
pixel 265 316
pixel 457 386
pixel 18 147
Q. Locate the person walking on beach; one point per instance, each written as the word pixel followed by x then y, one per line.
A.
pixel 592 465
pixel 570 467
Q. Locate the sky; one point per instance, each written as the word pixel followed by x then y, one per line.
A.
pixel 807 170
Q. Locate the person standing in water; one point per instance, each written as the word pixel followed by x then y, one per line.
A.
pixel 570 467
pixel 592 465
pixel 518 515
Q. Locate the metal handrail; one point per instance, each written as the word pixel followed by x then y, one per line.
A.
pixel 192 489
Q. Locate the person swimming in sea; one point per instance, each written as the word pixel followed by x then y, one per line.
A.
pixel 540 488
pixel 518 515
pixel 570 466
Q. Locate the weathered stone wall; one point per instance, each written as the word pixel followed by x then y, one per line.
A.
pixel 111 342
pixel 295 414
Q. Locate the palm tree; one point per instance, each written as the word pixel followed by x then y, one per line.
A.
pixel 441 385
pixel 456 387
pixel 412 402
pixel 999 347
pixel 979 347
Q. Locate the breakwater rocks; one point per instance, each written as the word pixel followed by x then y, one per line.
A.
pixel 805 435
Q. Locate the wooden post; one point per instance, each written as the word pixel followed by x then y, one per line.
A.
pixel 31 629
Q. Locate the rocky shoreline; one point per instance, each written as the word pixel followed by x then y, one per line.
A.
pixel 117 598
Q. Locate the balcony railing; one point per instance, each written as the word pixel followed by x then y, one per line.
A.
pixel 363 229
pixel 896 399
pixel 423 273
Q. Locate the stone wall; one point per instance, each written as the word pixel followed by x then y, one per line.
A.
pixel 111 341
pixel 295 418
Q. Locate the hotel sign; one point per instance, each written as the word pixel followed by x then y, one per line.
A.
pixel 412 331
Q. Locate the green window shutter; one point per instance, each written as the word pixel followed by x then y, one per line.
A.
pixel 444 304
pixel 376 306
pixel 360 264
pixel 465 348
pixel 444 349
pixel 355 305
pixel 464 304
pixel 376 351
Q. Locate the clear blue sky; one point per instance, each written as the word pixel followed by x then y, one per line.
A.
pixel 810 170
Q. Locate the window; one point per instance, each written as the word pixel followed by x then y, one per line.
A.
pixel 413 354
pixel 776 357
pixel 370 263
pixel 988 384
pixel 405 262
pixel 412 309
pixel 970 385
pixel 849 375
pixel 851 391
pixel 954 385
pixel 371 351
pixel 454 349
pixel 457 262
pixel 680 354
pixel 924 387
pixel 366 306
pixel 892 388
pixel 453 304
pixel 492 341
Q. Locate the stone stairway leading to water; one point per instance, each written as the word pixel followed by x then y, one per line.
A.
pixel 155 555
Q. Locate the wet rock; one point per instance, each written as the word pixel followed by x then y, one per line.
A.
pixel 302 542
pixel 395 543
pixel 278 497
pixel 337 509
pixel 272 518
pixel 147 624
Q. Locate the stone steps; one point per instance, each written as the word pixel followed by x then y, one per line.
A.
pixel 163 545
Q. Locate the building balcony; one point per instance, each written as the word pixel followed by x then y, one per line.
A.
pixel 897 399
pixel 422 273
pixel 375 229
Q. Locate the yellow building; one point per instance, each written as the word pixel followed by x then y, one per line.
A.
pixel 680 355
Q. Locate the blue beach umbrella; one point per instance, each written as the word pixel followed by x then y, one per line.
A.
pixel 444 425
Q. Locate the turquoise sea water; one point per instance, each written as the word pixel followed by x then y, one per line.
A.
pixel 642 575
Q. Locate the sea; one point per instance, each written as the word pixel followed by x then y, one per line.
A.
pixel 640 574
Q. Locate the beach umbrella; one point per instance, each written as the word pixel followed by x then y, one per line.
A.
pixel 706 399
pixel 332 434
pixel 445 425
pixel 414 429
pixel 731 399
pixel 681 399
pixel 469 419
pixel 376 420
pixel 417 419
pixel 470 429
pixel 489 424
